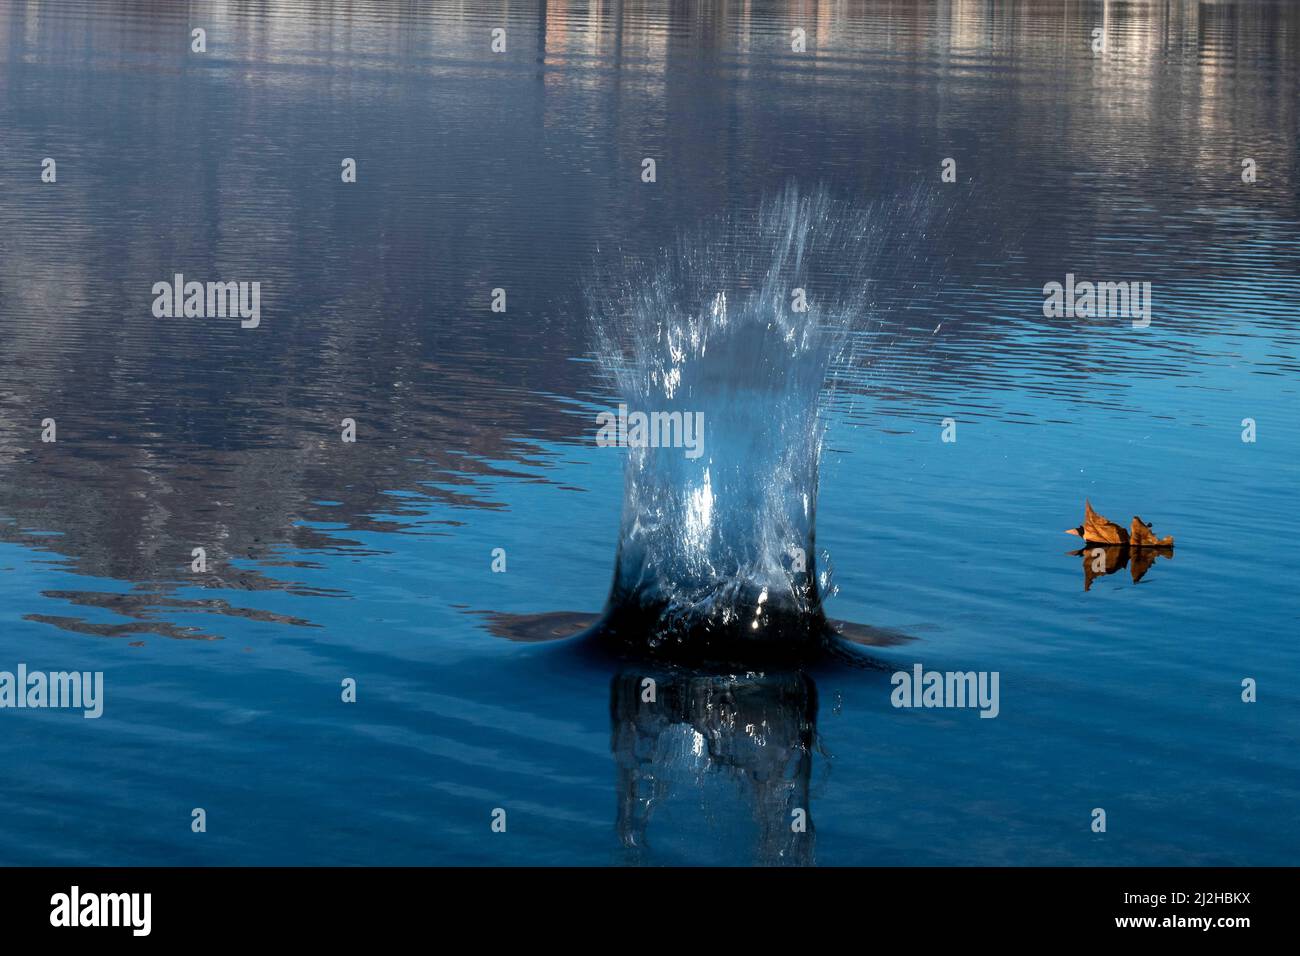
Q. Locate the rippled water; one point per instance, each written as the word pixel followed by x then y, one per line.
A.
pixel 522 170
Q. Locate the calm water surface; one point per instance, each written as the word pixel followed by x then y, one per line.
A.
pixel 521 171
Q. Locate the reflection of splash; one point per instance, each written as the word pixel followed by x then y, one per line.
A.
pixel 717 551
pixel 753 737
pixel 1101 560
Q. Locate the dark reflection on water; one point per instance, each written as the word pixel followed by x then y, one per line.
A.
pixel 1101 560
pixel 561 625
pixel 729 747
pixel 536 628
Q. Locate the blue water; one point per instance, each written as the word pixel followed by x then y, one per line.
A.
pixel 476 431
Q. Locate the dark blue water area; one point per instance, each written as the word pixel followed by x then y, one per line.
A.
pixel 373 561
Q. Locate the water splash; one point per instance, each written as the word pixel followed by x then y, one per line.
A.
pixel 737 326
